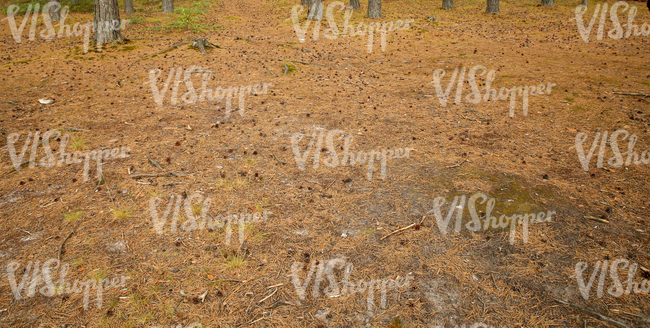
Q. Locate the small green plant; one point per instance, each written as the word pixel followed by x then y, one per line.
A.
pixel 78 262
pixel 121 213
pixel 97 275
pixel 79 143
pixel 136 20
pixel 230 185
pixel 73 216
pixel 291 68
pixel 235 261
pixel 569 99
pixel 396 323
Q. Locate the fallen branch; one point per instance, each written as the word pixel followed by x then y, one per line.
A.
pixel 63 243
pixel 155 175
pixel 631 94
pixel 457 165
pixel 160 52
pixel 402 229
pixel 596 315
pixel 286 68
pixel 306 63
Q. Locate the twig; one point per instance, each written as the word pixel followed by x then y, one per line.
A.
pixel 229 280
pixel 286 68
pixel 596 315
pixel 264 299
pixel 240 38
pixel 631 94
pixel 160 52
pixel 456 165
pixel 154 175
pixel 173 183
pixel 155 164
pixel 74 129
pixel 306 63
pixel 402 229
pixel 270 72
pixel 593 218
pixel 329 185
pixel 279 161
pixel 63 243
pixel 252 321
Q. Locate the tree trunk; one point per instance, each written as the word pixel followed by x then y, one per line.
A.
pixel 55 12
pixel 374 8
pixel 548 3
pixel 107 22
pixel 447 4
pixel 315 10
pixel 584 3
pixel 492 7
pixel 168 6
pixel 128 7
pixel 354 4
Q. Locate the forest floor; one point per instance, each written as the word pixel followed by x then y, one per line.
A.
pixel 244 163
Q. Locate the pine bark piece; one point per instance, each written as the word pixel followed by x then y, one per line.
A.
pixel 447 4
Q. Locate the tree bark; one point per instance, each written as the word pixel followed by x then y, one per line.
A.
pixel 107 22
pixel 492 7
pixel 315 10
pixel 447 4
pixel 548 3
pixel 168 6
pixel 128 7
pixel 354 4
pixel 55 12
pixel 374 8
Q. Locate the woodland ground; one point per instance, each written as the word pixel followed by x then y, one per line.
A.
pixel 386 100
